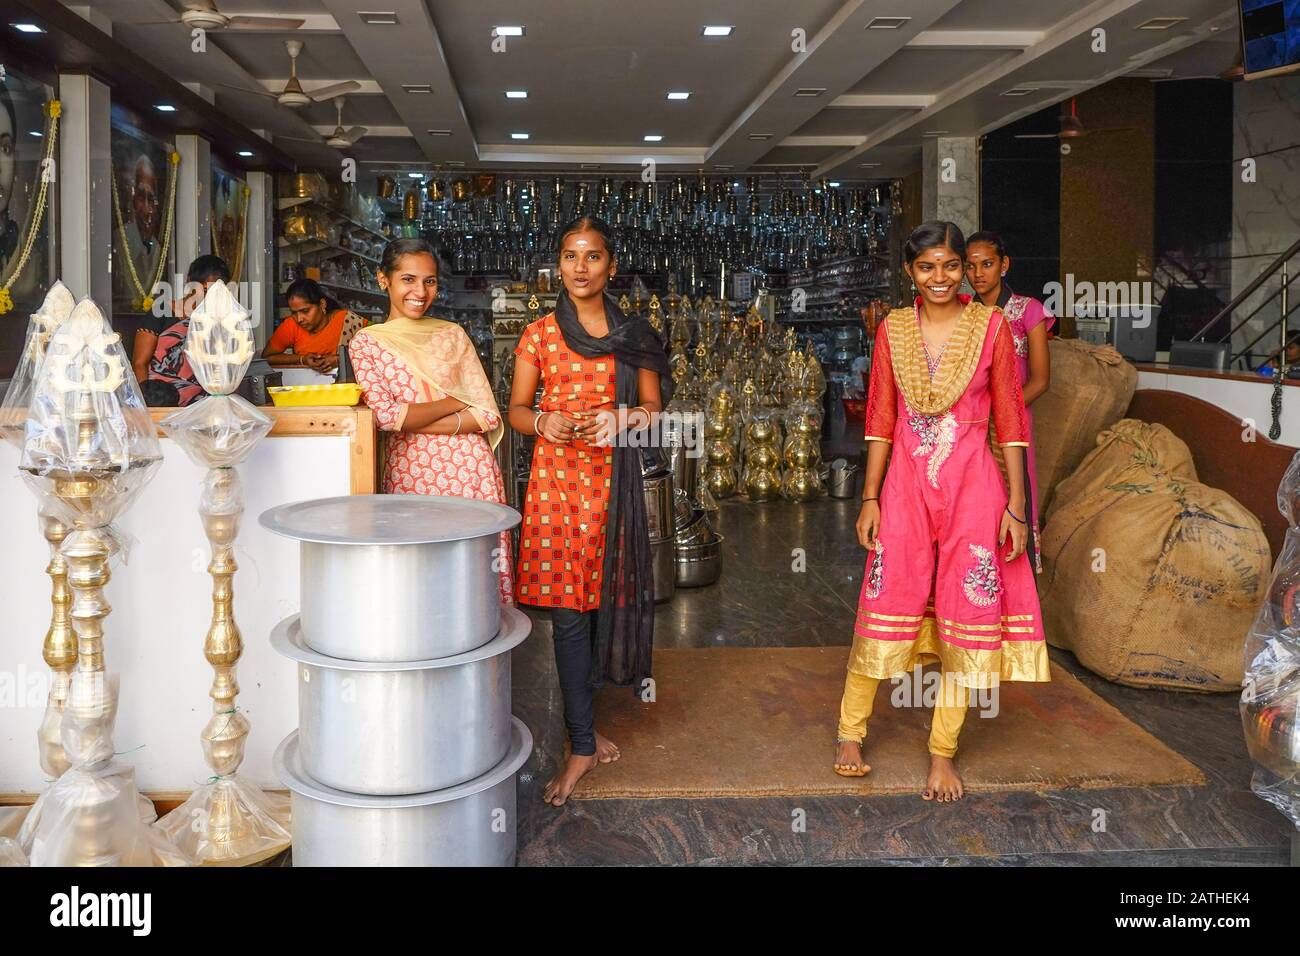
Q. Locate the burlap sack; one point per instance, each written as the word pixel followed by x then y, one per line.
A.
pixel 1128 452
pixel 1154 582
pixel 1091 388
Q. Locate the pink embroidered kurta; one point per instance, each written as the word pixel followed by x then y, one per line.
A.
pixel 1025 313
pixel 937 586
pixel 416 464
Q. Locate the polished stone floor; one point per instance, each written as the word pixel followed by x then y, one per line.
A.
pixel 791 577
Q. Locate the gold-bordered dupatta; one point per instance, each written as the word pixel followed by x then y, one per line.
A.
pixel 956 368
pixel 441 355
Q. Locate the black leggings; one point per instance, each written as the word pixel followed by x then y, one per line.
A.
pixel 572 633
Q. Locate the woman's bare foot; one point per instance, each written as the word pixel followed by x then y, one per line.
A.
pixel 606 750
pixel 944 784
pixel 848 760
pixel 562 784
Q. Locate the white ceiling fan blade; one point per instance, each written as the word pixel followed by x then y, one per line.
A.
pixel 334 89
pixel 354 133
pixel 264 23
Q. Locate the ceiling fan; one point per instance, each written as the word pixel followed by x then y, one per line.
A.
pixel 204 15
pixel 341 138
pixel 293 94
pixel 1072 127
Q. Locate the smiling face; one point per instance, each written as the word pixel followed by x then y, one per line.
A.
pixel 311 316
pixel 937 272
pixel 984 267
pixel 586 264
pixel 411 285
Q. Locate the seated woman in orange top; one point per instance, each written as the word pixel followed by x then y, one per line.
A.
pixel 314 329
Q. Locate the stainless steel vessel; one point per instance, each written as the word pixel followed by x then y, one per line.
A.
pixel 400 728
pixel 659 509
pixel 663 556
pixel 683 440
pixel 473 824
pixel 699 565
pixel 396 577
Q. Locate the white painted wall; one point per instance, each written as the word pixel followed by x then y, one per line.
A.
pixel 1246 400
pixel 161 608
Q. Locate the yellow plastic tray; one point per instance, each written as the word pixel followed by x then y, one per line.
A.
pixel 292 396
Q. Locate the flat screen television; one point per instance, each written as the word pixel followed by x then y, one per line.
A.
pixel 1270 36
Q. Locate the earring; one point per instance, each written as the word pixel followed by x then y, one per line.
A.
pixel 1004 272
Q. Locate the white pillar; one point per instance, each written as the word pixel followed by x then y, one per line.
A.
pixel 192 234
pixel 950 181
pixel 260 255
pixel 85 198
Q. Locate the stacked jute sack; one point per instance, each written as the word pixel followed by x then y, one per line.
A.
pixel 1150 577
pixel 1091 388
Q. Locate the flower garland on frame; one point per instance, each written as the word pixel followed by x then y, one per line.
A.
pixel 146 298
pixel 53 110
pixel 236 267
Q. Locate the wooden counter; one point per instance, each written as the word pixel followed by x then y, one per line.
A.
pixel 357 422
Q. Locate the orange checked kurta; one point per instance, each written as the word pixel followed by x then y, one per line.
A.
pixel 562 544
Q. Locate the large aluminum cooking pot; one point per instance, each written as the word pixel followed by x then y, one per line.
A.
pixel 404 727
pixel 699 565
pixel 396 577
pixel 473 824
pixel 683 437
pixel 660 512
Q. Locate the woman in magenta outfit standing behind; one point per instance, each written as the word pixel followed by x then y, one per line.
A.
pixel 987 264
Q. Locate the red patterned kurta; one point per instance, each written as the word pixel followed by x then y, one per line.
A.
pixel 415 464
pixel 562 547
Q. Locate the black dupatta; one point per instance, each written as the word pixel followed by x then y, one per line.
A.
pixel 624 635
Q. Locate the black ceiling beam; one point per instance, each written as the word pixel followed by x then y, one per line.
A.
pixel 73 45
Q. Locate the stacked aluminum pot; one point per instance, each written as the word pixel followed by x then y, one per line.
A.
pixel 406 752
pixel 657 477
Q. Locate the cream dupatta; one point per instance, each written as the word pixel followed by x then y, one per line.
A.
pixel 441 355
pixel 956 368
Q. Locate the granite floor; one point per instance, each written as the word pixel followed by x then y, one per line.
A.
pixel 791 578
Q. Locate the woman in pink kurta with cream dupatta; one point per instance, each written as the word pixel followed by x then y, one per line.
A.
pixel 406 361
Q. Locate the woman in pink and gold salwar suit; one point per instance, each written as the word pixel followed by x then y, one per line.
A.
pixel 948 578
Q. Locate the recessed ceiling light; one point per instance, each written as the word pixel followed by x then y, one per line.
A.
pixel 679 95
pixel 165 108
pixel 386 18
pixel 834 185
pixel 760 135
pixel 724 167
pixel 810 91
pixel 34 132
pixel 1019 91
pixel 416 175
pixel 935 132
pixel 26 28
pixel 245 153
pixel 438 132
pixel 518 135
pixel 507 31
pixel 653 137
pixel 1161 23
pixel 456 162
pixel 1150 73
pixel 516 94
pixel 718 31
pixel 887 23
pixel 417 87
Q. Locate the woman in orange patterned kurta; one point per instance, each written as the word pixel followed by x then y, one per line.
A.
pixel 601 374
pixel 425 384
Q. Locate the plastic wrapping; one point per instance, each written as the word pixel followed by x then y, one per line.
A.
pixel 89 444
pixel 761 477
pixel 11 854
pixel 229 821
pixel 219 344
pixel 219 431
pixel 54 311
pixel 1270 698
pixel 91 815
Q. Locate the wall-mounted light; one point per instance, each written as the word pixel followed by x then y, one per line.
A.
pixel 518 135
